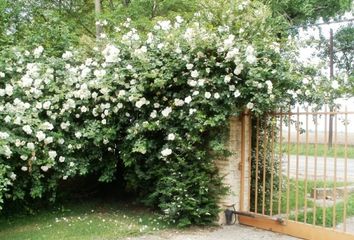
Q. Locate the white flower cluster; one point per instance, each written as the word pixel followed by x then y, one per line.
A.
pixel 165 82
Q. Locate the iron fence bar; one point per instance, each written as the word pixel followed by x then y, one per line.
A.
pixel 272 167
pixel 250 159
pixel 265 139
pixel 306 164
pixel 312 113
pixel 288 171
pixel 297 164
pixel 345 173
pixel 315 171
pixel 257 158
pixel 280 164
pixel 325 171
pixel 335 171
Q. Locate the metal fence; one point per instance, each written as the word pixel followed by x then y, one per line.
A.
pixel 303 168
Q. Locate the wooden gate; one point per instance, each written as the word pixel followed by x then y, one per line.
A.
pixel 303 174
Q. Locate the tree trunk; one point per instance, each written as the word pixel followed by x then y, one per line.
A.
pixel 98 10
pixel 126 2
pixel 331 74
pixel 154 8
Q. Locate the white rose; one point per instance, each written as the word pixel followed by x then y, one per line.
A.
pixel 335 84
pixel 153 114
pixel 227 78
pixel 166 111
pixel 188 99
pixel 40 135
pixel 250 105
pixel 201 82
pixel 7 151
pixel 45 168
pixel 38 51
pixel 7 119
pixel 189 66
pixel 4 135
pixel 48 140
pixel 178 102
pixel 166 152
pixel 46 105
pixel 195 74
pixel 9 89
pixel 52 154
pixel 78 135
pixel 165 25
pixel 13 176
pixel 179 19
pixel 237 93
pixel 238 69
pixel 207 95
pixel 67 55
pixel 47 126
pixel 192 83
pixel 171 137
pixel 111 54
pixel 30 146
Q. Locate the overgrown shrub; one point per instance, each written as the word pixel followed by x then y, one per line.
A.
pixel 158 102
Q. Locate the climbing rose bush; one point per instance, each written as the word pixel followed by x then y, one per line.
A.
pixel 157 102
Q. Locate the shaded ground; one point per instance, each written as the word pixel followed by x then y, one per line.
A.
pixel 217 233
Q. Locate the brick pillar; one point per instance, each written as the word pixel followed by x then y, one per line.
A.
pixel 235 168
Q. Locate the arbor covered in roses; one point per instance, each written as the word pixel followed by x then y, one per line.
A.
pixel 156 102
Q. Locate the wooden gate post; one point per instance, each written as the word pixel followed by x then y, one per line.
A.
pixel 235 169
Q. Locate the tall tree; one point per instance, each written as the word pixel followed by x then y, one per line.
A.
pixel 98 11
pixel 344 49
pixel 308 11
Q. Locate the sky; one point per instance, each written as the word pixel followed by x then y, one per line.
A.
pixel 306 54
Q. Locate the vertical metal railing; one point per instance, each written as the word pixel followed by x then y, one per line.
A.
pixel 300 175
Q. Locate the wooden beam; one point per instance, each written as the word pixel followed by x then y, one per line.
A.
pixel 295 229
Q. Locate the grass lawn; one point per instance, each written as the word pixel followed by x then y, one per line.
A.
pixel 299 189
pixel 88 220
pixel 310 150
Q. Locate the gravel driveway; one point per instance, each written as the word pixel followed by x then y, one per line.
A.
pixel 217 233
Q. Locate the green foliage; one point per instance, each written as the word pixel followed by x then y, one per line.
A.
pixel 344 49
pixel 156 103
pixel 308 11
pixel 31 25
pixel 5 182
pixel 265 178
pixel 144 13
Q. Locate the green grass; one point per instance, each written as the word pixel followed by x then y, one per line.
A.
pixel 329 222
pixel 321 150
pixel 298 189
pixel 76 221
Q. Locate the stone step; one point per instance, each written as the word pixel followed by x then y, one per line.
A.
pixel 331 193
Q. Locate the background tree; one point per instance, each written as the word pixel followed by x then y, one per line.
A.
pixel 344 49
pixel 308 11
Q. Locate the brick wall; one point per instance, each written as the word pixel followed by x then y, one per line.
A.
pixel 233 169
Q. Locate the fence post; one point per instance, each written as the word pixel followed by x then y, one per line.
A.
pixel 235 169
